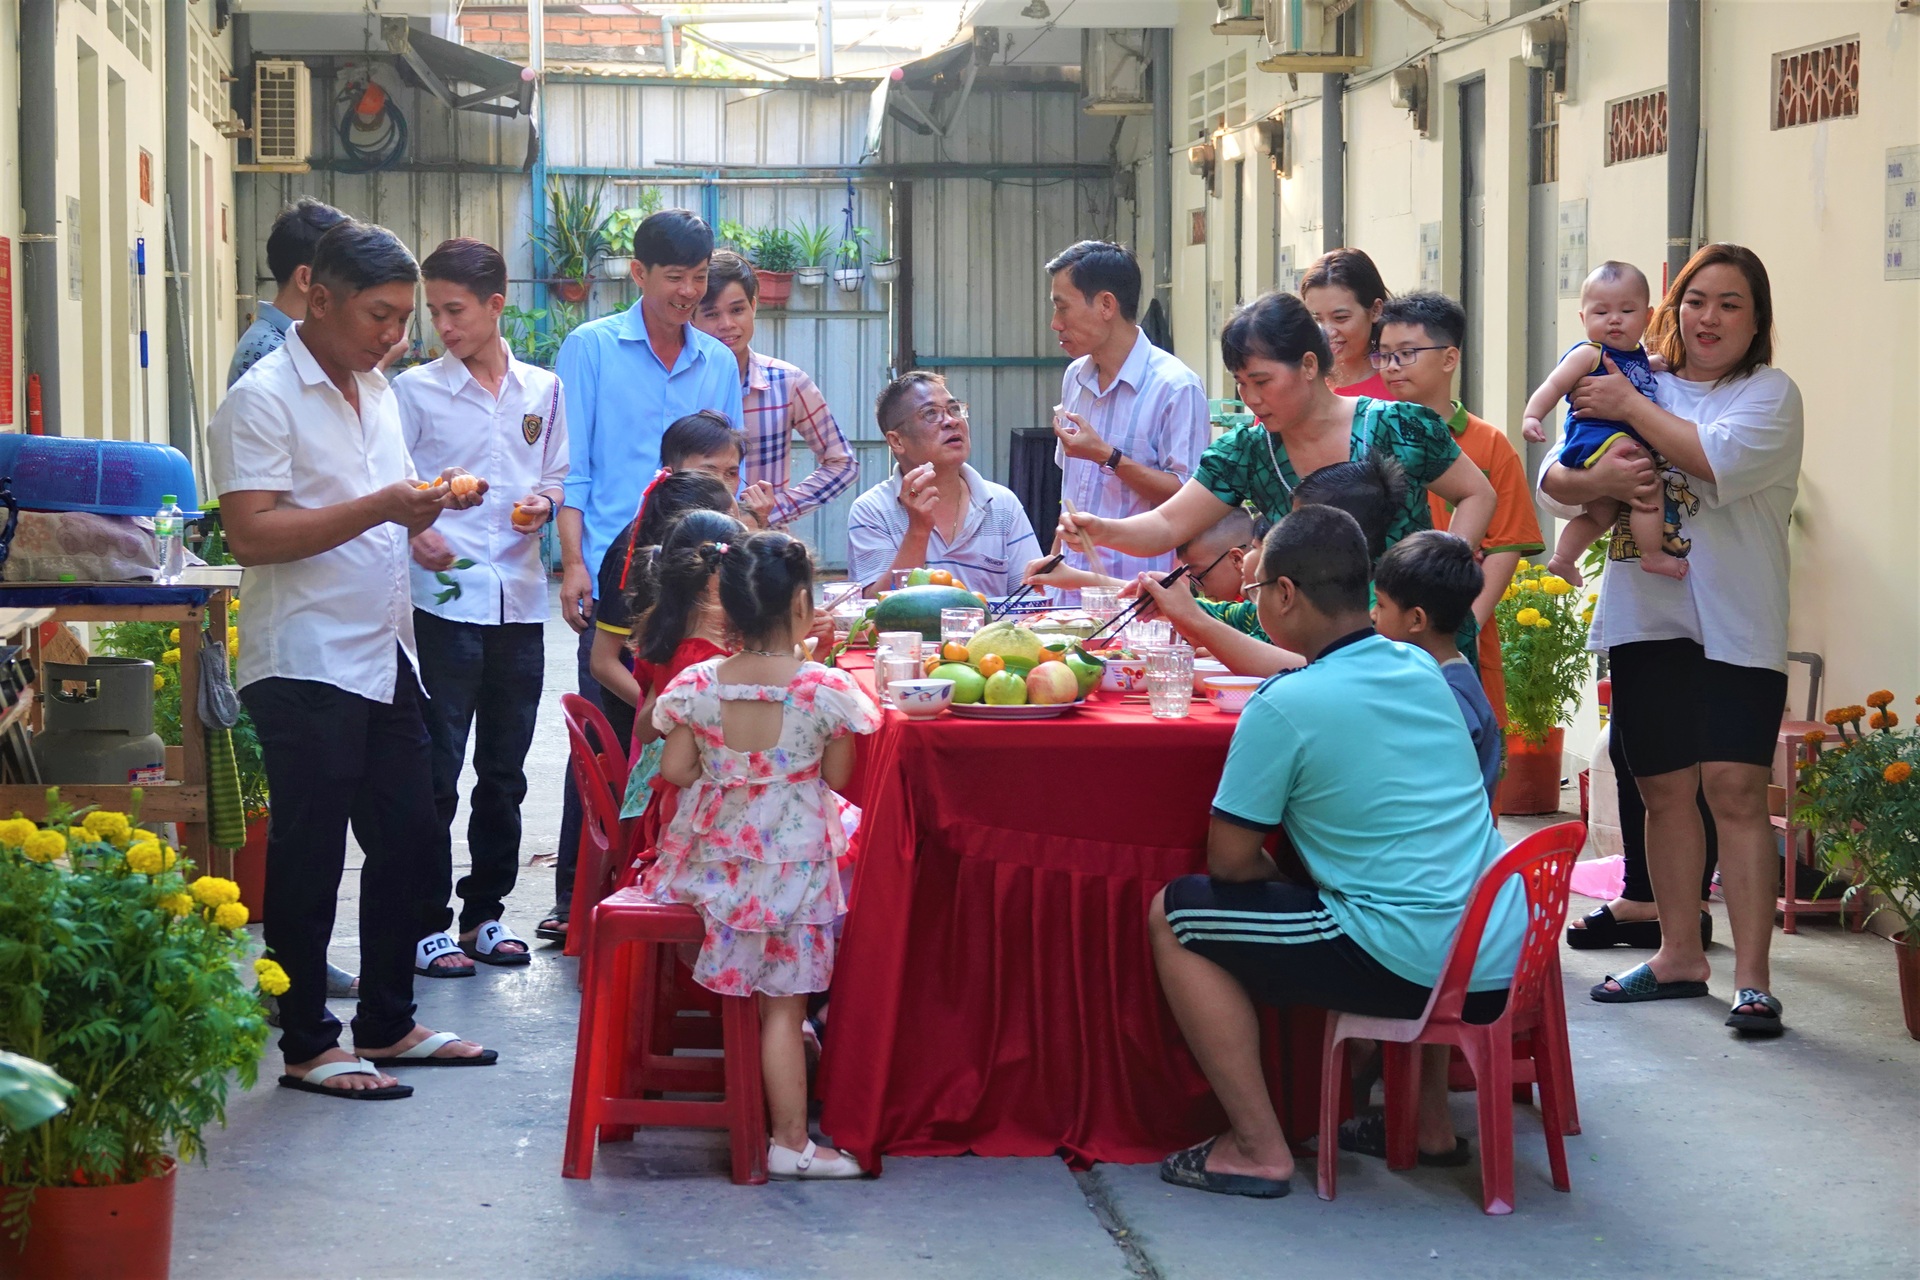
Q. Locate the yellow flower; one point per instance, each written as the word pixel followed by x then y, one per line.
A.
pixel 1880 699
pixel 1531 584
pixel 1544 623
pixel 107 825
pixel 141 833
pixel 15 832
pixel 176 904
pixel 273 979
pixel 173 636
pixel 230 915
pixel 44 846
pixel 1510 592
pixel 212 891
pixel 1898 772
pixel 1556 586
pixel 233 637
pixel 171 657
pixel 1523 566
pixel 1527 617
pixel 159 682
pixel 233 605
pixel 144 858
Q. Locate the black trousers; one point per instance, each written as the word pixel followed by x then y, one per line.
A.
pixel 334 758
pixel 1633 830
pixel 484 679
pixel 620 715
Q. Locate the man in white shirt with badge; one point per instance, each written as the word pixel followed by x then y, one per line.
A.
pixel 1134 419
pixel 479 587
pixel 318 500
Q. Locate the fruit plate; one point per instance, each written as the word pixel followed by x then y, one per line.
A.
pixel 1026 711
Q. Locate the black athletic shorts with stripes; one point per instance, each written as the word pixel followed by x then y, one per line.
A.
pixel 1283 945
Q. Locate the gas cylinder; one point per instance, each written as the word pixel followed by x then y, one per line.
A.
pixel 98 724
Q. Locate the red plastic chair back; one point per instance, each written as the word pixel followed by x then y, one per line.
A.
pixel 1544 864
pixel 597 730
pixel 603 838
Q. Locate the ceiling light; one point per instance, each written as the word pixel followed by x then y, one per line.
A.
pixel 1037 10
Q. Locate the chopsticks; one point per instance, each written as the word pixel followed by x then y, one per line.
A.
pixel 1087 548
pixel 1006 606
pixel 1126 615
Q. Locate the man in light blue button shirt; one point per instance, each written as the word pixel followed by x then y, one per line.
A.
pixel 628 377
pixel 290 259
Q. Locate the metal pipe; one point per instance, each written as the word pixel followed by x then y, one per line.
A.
pixel 1683 128
pixel 1161 44
pixel 734 53
pixel 824 29
pixel 903 356
pixel 41 289
pixel 1333 163
pixel 537 186
pixel 181 401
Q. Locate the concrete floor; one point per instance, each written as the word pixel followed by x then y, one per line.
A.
pixel 1702 1156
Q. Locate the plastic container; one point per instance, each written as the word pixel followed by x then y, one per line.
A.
pixel 106 477
pixel 169 530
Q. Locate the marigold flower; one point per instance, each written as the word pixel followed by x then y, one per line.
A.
pixel 1556 586
pixel 273 979
pixel 14 832
pixel 44 846
pixel 233 637
pixel 173 636
pixel 1523 566
pixel 1527 617
pixel 1510 592
pixel 176 904
pixel 144 858
pixel 1880 698
pixel 1814 735
pixel 106 825
pixel 1883 720
pixel 1545 622
pixel 171 657
pixel 159 682
pixel 1531 584
pixel 230 915
pixel 1897 772
pixel 213 891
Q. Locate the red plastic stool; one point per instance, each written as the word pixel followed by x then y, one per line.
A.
pixel 629 957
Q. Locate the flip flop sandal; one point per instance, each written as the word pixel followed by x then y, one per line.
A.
pixel 431 948
pixel 421 1055
pixel 485 946
pixel 553 928
pixel 1766 1025
pixel 315 1082
pixel 1600 929
pixel 1638 985
pixel 340 984
pixel 1188 1168
pixel 1367 1136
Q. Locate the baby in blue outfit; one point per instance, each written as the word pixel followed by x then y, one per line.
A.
pixel 1614 310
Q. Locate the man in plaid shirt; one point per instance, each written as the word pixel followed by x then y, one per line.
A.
pixel 779 400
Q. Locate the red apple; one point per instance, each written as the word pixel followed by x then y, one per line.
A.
pixel 1052 683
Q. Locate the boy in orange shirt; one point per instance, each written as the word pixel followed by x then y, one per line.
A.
pixel 1421 333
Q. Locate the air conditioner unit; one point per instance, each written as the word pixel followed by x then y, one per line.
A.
pixel 282 113
pixel 1240 17
pixel 1315 35
pixel 1113 73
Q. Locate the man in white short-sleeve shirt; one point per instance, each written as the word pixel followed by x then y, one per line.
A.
pixel 318 499
pixel 480 628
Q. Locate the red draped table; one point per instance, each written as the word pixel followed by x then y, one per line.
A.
pixel 995 992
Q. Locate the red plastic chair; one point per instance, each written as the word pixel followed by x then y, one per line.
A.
pixel 1544 863
pixel 597 762
pixel 618 1056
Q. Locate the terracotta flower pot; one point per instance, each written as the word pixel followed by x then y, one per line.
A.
pixel 123 1231
pixel 250 868
pixel 573 291
pixel 775 287
pixel 1908 959
pixel 1531 783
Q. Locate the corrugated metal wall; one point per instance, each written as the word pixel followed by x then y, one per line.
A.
pixel 978 289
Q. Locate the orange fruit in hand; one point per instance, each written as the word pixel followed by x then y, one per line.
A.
pixel 940 578
pixel 992 665
pixel 424 484
pixel 463 484
pixel 953 652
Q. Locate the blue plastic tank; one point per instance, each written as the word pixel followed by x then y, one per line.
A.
pixel 105 477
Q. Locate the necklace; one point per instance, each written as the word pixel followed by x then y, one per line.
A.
pixel 769 653
pixel 1274 458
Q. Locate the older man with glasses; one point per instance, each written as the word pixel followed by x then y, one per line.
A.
pixel 933 510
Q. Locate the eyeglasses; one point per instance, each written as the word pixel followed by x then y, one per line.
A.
pixel 1252 590
pixel 932 415
pixel 1406 355
pixel 1215 563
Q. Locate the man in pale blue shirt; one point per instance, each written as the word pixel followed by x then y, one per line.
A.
pixel 628 378
pixel 290 258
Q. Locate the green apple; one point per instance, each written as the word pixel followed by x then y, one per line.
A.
pixel 969 686
pixel 919 577
pixel 1006 689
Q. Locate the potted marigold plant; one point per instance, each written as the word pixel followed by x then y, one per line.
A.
pixel 1543 625
pixel 1861 799
pixel 120 970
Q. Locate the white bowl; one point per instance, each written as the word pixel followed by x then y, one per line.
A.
pixel 1230 693
pixel 921 699
pixel 1124 675
pixel 1204 669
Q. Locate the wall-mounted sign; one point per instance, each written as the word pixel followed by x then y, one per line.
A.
pixel 1570 252
pixel 1903 213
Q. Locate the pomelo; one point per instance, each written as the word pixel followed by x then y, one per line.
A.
pixel 1018 647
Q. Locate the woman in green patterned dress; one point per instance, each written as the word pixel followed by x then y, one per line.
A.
pixel 1279 358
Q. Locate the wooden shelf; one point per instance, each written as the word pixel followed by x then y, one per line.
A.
pixel 160 802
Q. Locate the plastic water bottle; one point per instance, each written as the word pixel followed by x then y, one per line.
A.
pixel 168 528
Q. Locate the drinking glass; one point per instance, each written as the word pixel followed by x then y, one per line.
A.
pixel 898 579
pixel 958 625
pixel 905 643
pixel 1100 603
pixel 1142 636
pixel 1169 680
pixel 894 665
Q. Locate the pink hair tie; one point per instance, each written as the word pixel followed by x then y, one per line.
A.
pixel 721 547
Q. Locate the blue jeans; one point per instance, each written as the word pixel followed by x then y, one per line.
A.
pixel 487 679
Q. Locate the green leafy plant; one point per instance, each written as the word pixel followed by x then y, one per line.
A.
pixel 813 244
pixel 742 239
pixel 853 247
pixel 622 223
pixel 1543 623
pixel 576 231
pixel 452 584
pixel 777 250
pixel 522 328
pixel 123 974
pixel 1861 799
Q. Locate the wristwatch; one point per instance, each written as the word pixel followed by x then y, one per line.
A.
pixel 1113 461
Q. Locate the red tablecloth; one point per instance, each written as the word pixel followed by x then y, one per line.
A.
pixel 994 991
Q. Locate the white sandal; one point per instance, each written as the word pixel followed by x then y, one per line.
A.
pixel 485 946
pixel 784 1165
pixel 431 948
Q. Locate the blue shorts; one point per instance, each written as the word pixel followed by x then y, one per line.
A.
pixel 1588 439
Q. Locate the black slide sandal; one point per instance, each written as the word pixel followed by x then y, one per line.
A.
pixel 1188 1168
pixel 1600 929
pixel 1367 1136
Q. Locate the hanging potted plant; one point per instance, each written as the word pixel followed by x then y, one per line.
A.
pixel 1862 802
pixel 122 973
pixel 776 259
pixel 617 264
pixel 814 244
pixel 885 270
pixel 575 237
pixel 1543 625
pixel 851 274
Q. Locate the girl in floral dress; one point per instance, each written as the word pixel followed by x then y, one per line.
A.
pixel 758 741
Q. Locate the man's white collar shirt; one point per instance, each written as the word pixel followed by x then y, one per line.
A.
pixel 335 617
pixel 517 443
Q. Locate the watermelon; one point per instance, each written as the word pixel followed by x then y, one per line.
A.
pixel 918 608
